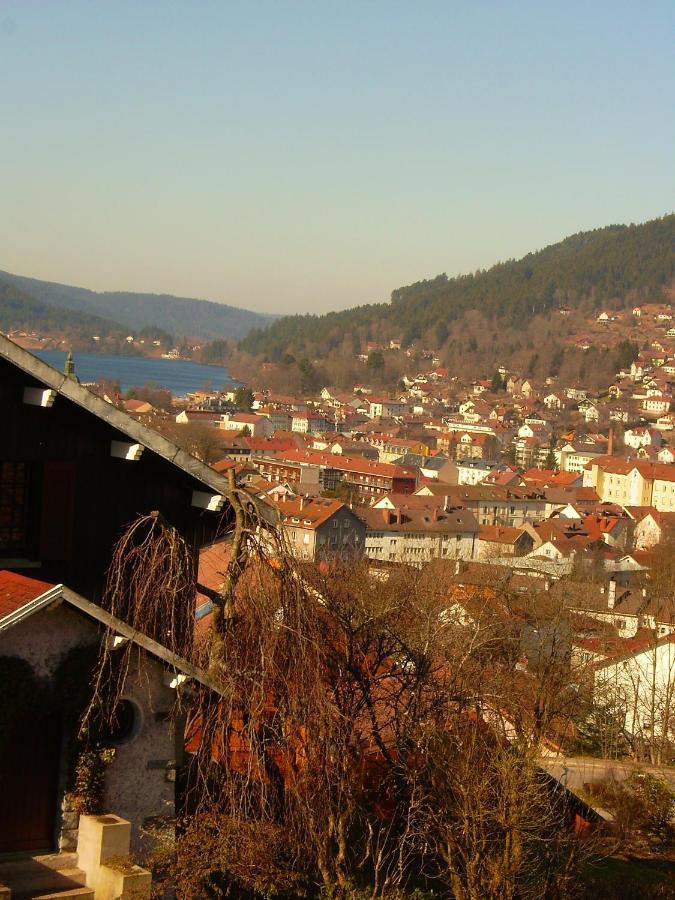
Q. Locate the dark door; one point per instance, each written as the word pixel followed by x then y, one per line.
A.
pixel 29 768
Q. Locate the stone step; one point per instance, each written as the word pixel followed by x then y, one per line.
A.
pixel 19 862
pixel 84 893
pixel 37 876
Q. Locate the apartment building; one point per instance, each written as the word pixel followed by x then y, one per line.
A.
pixel 632 482
pixel 413 534
pixel 317 529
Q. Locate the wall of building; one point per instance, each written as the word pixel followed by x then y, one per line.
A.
pixel 139 781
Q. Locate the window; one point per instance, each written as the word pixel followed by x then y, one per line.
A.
pixel 125 724
pixel 13 506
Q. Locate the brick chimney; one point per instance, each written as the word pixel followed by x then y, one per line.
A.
pixel 610 442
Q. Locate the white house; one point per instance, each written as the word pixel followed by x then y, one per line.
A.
pixel 641 437
pixel 638 675
pixel 259 426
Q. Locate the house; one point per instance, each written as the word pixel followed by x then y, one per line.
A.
pixel 498 540
pixel 555 401
pixel 631 482
pixel 199 417
pixel 319 529
pixel 589 411
pixel 415 533
pixel 653 527
pixel 325 471
pixel 281 419
pixel 493 504
pixel 138 407
pixel 439 468
pixel 642 437
pixel 514 384
pixel 310 423
pixel 383 407
pixel 656 405
pixel 473 471
pixel 74 472
pixel 637 369
pixel 50 636
pixel 575 455
pixel 637 676
pixel 257 426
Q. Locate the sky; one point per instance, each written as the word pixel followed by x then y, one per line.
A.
pixel 305 155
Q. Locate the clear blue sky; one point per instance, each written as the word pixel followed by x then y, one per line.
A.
pixel 294 156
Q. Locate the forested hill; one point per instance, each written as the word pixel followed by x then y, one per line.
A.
pixel 20 311
pixel 177 315
pixel 610 267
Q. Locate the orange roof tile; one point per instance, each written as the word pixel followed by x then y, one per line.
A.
pixel 17 590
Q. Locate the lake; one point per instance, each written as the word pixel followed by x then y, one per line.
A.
pixel 178 376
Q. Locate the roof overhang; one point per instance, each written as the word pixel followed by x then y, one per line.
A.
pixel 137 432
pixel 60 593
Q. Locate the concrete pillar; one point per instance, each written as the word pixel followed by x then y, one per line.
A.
pixel 103 855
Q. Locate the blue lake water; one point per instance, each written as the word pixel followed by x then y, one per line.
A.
pixel 178 376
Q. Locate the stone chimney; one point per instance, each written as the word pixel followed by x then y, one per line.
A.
pixel 611 594
pixel 302 503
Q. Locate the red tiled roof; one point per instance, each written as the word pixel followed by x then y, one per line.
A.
pixel 17 590
pixel 344 463
pixel 310 511
pixel 500 534
pixel 622 466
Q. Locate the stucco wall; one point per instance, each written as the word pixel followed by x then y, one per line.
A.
pixel 139 781
pixel 44 638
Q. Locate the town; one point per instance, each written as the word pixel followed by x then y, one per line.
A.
pixel 548 508
pixel 337 451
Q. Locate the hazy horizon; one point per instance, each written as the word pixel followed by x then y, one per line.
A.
pixel 306 157
pixel 422 277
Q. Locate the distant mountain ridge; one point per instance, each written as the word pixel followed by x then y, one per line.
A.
pixel 202 319
pixel 613 266
pixel 20 311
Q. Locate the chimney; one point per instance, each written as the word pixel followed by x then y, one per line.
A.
pixel 397 514
pixel 302 503
pixel 611 594
pixel 458 566
pixel 434 514
pixel 610 442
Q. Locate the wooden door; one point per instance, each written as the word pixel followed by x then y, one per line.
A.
pixel 29 768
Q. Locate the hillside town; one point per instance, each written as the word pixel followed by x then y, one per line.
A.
pixel 337 451
pixel 542 513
